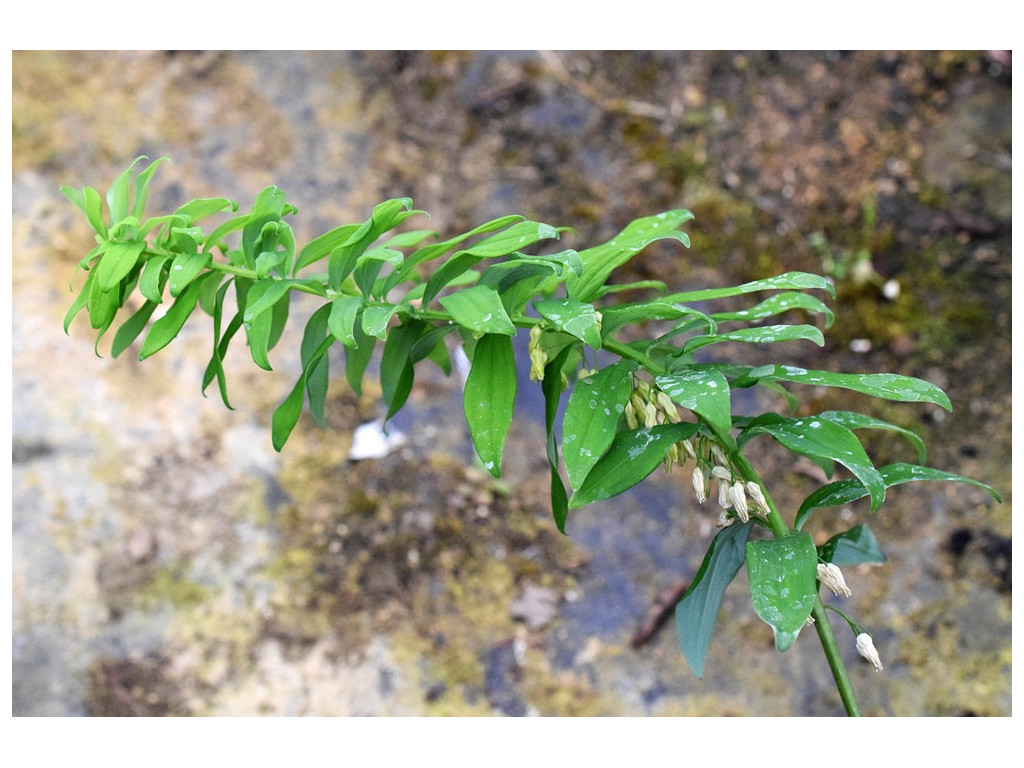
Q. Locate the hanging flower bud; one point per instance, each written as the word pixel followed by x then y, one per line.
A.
pixel 631 421
pixel 724 497
pixel 688 447
pixel 538 357
pixel 866 648
pixel 739 500
pixel 725 519
pixel 757 496
pixel 698 485
pixel 830 575
pixel 721 473
pixel 719 454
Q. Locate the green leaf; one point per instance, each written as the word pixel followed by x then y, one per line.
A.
pixel 317 371
pixel 118 260
pixel 259 324
pixel 480 310
pixel 697 611
pixel 376 319
pixel 572 316
pixel 80 300
pixel 434 250
pixel 153 278
pixel 637 285
pixel 601 261
pixel 853 420
pixel 817 437
pixel 552 389
pixel 269 207
pixel 846 491
pixel 204 207
pixel 141 186
pixel 131 328
pixel 889 386
pixel 396 365
pixel 595 406
pixel 268 261
pixel 118 195
pixel 766 334
pixel 852 547
pixel 705 392
pixel 508 241
pixel 777 304
pixel 215 368
pixel 93 208
pixel 368 266
pixel 342 319
pixel 490 396
pixel 286 416
pixel 501 277
pixel 320 246
pixel 167 327
pixel 788 281
pixel 613 318
pixel 185 268
pixel 357 358
pixel 633 455
pixel 783 588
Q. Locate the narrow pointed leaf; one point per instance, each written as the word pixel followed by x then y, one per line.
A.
pixel 286 416
pixel 141 186
pixel 489 398
pixel 853 547
pixel 697 611
pixel 853 420
pixel 357 357
pixel 480 310
pixel 601 261
pixel 820 438
pixel 783 586
pixel 118 260
pixel 765 334
pixel 777 304
pixel 789 281
pixel 396 365
pixel 705 392
pixel 215 368
pixel 572 316
pixel 163 331
pixel 889 386
pixel 131 328
pixel 317 372
pixel 184 269
pixel 633 455
pixel 594 409
pixel 342 319
pixel 552 388
pixel 847 491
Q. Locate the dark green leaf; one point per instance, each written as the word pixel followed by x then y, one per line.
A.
pixel 705 392
pixel 185 268
pixel 572 316
pixel 632 456
pixel 783 588
pixel 480 310
pixel 319 247
pixel 595 406
pixel 765 334
pixel 317 371
pixel 552 389
pixel 637 285
pixel 396 366
pixel 852 547
pixel 167 327
pixel 889 386
pixel 777 304
pixel 489 398
pixel 118 260
pixel 131 328
pixel 614 318
pixel 697 611
pixel 853 420
pixel 817 437
pixel 846 491
pixel 601 261
pixel 358 356
pixel 268 208
pixel 342 319
pixel 287 414
pixel 215 368
pixel 789 281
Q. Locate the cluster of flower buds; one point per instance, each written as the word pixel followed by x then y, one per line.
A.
pixel 738 499
pixel 538 357
pixel 648 407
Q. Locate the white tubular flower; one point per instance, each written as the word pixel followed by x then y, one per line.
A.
pixel 866 648
pixel 698 485
pixel 757 496
pixel 724 520
pixel 631 421
pixel 650 415
pixel 688 447
pixel 719 454
pixel 830 575
pixel 739 500
pixel 721 473
pixel 724 497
